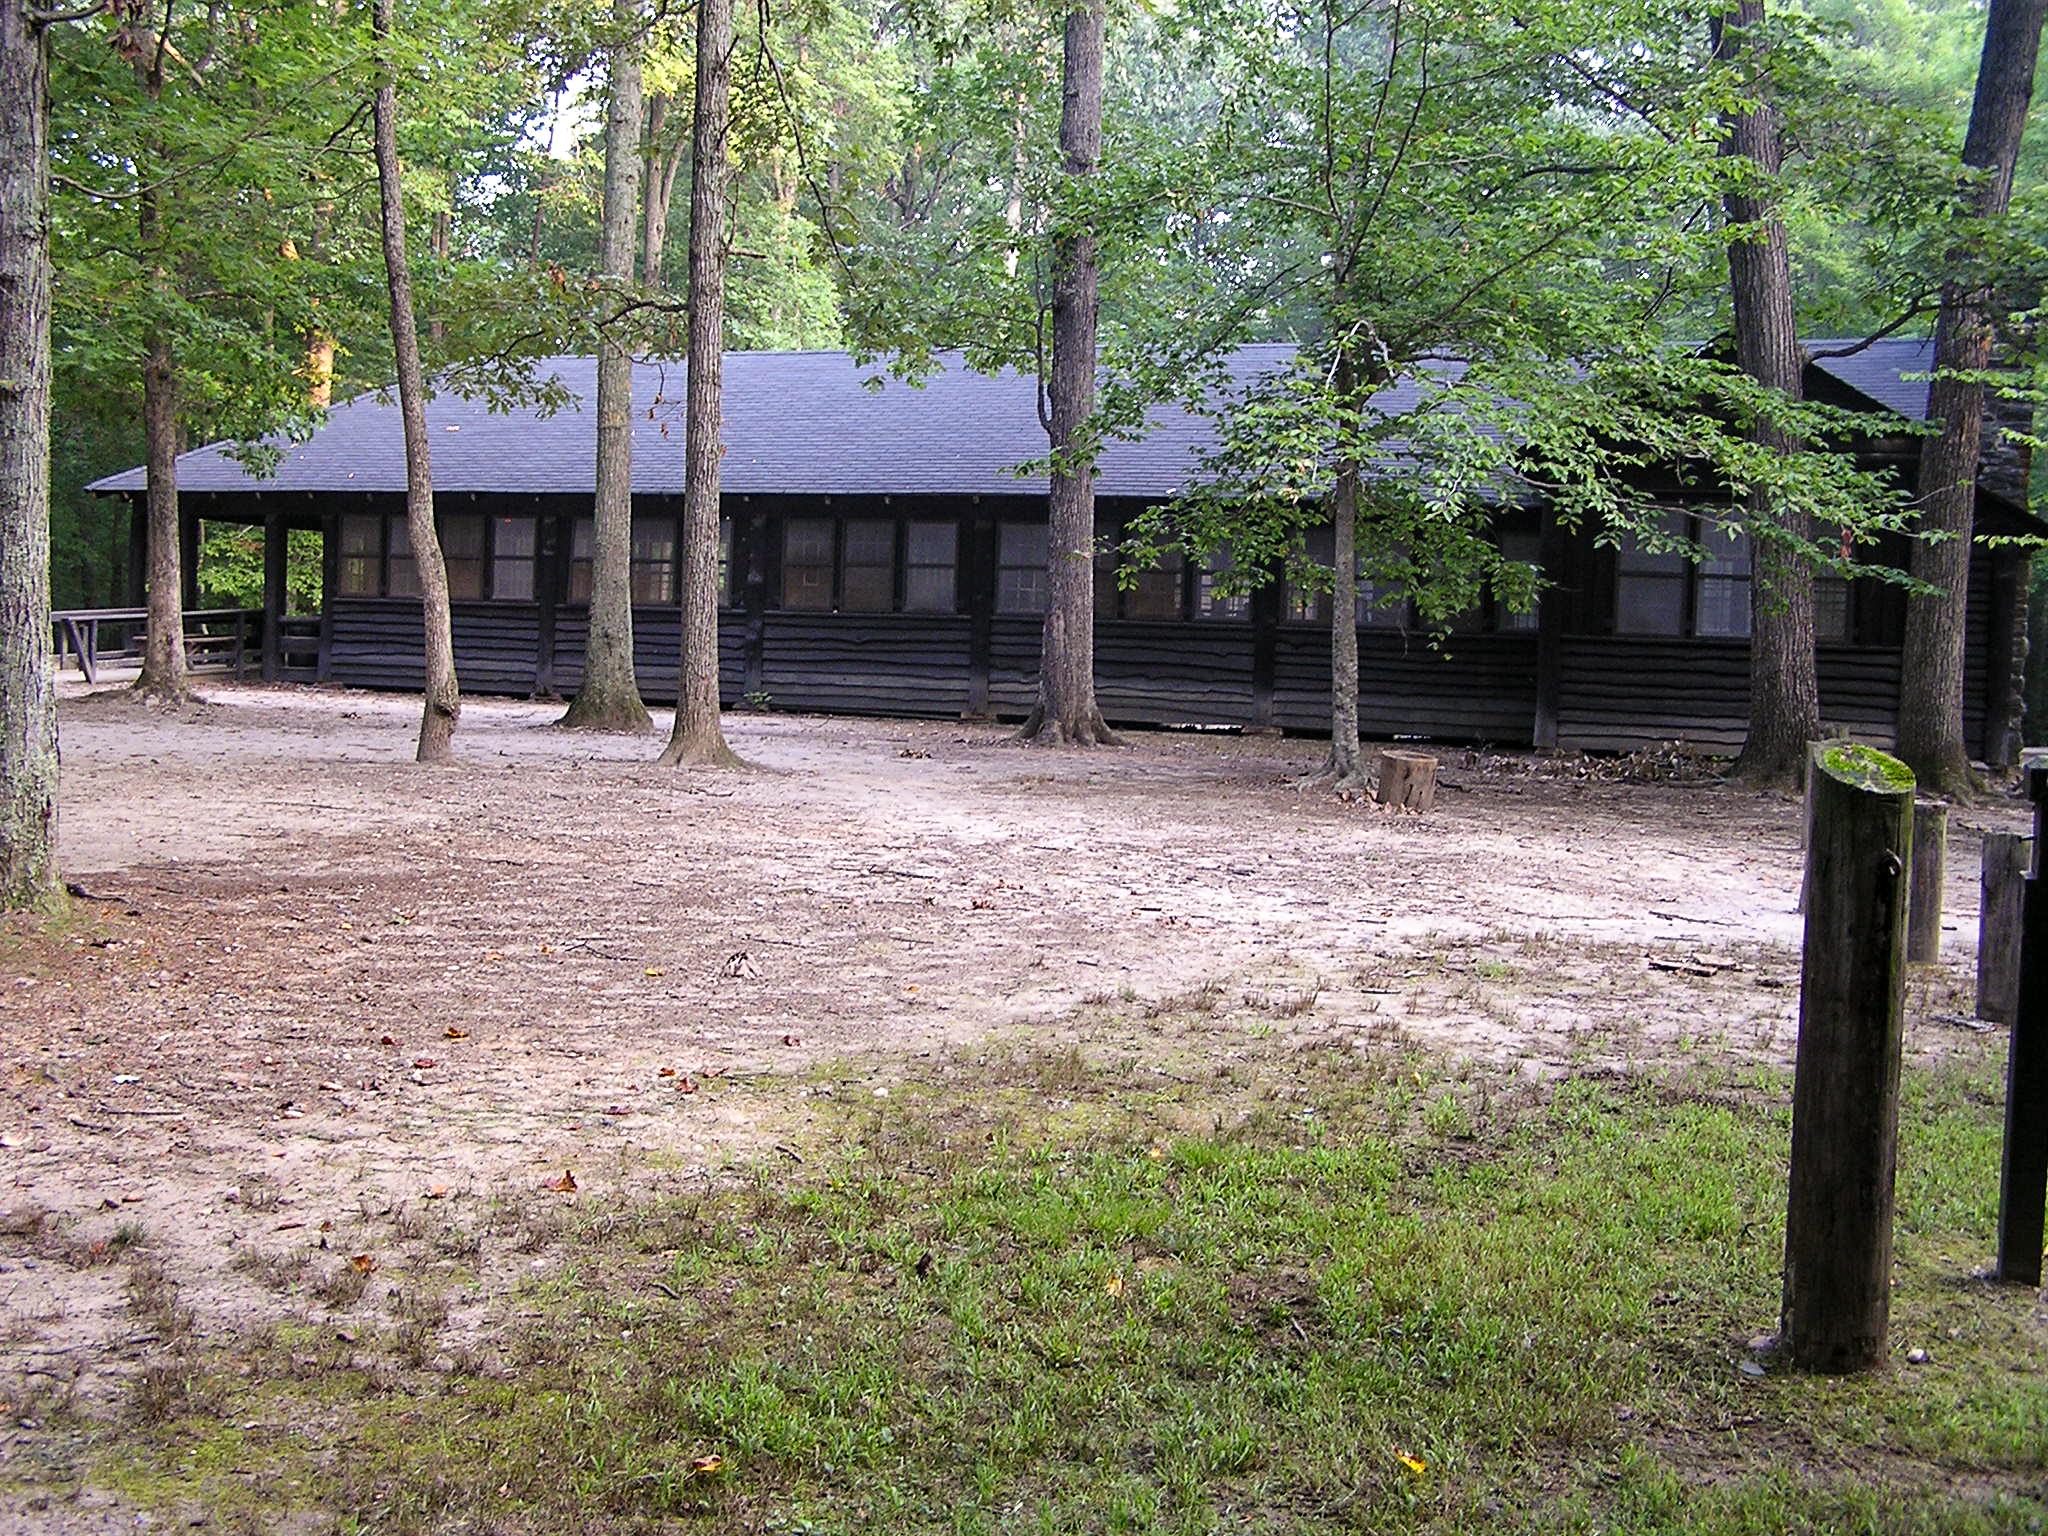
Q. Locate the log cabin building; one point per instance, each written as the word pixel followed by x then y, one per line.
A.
pixel 883 556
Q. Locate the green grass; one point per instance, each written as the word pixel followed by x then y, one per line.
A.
pixel 1335 1292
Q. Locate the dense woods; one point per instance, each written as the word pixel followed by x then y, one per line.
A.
pixel 1575 243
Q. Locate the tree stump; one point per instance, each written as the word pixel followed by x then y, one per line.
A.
pixel 1407 780
pixel 1930 861
pixel 1845 1087
pixel 2007 856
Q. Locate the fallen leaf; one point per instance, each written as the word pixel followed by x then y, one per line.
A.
pixel 438 1192
pixel 566 1184
pixel 456 1034
pixel 1115 1285
pixel 686 1086
pixel 423 1062
pixel 706 1466
pixel 1415 1465
pixel 666 1072
pixel 388 1040
pixel 655 970
pixel 362 1263
pixel 791 1040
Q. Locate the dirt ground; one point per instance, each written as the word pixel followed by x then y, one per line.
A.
pixel 313 983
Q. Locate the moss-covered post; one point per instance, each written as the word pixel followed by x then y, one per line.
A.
pixel 1845 1092
pixel 2023 1171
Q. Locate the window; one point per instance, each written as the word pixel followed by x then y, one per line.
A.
pixel 930 559
pixel 462 554
pixel 1831 609
pixel 1211 604
pixel 1650 585
pixel 654 560
pixel 725 570
pixel 1525 549
pixel 807 563
pixel 1155 592
pixel 1382 604
pixel 1721 606
pixel 1022 585
pixel 402 577
pixel 361 571
pixel 1669 593
pixel 512 550
pixel 867 569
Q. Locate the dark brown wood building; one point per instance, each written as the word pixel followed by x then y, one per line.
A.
pixel 882 556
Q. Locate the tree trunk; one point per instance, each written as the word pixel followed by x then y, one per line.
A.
pixel 1344 769
pixel 1066 712
pixel 442 702
pixel 654 206
pixel 28 697
pixel 1784 682
pixel 162 680
pixel 698 737
pixel 609 699
pixel 1931 671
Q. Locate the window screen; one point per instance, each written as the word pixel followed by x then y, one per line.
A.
pixel 807 563
pixel 1649 585
pixel 361 572
pixel 867 573
pixel 1212 604
pixel 1722 606
pixel 1021 582
pixel 1525 549
pixel 402 578
pixel 930 561
pixel 654 560
pixel 512 547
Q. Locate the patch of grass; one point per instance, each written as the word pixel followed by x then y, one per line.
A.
pixel 1332 1290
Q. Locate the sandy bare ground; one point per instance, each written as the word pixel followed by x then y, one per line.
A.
pixel 316 983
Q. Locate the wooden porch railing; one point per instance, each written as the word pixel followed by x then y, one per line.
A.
pixel 217 640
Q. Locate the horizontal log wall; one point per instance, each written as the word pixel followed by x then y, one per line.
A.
pixel 657 651
pixel 1474 688
pixel 866 663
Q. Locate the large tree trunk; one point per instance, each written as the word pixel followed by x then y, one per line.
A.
pixel 1784 681
pixel 1066 711
pixel 1931 675
pixel 609 699
pixel 163 653
pixel 28 699
pixel 698 737
pixel 442 703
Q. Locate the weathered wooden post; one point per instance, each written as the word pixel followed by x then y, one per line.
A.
pixel 1407 780
pixel 1930 865
pixel 2023 1171
pixel 2004 885
pixel 1845 1090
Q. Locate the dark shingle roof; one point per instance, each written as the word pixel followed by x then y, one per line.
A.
pixel 1884 371
pixel 799 423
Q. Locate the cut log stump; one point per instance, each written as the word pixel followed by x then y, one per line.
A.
pixel 2007 857
pixel 1930 861
pixel 1407 780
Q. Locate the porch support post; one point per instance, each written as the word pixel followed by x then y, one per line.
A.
pixel 138 552
pixel 1550 620
pixel 188 558
pixel 275 545
pixel 2006 666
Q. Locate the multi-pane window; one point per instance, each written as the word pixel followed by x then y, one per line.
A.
pixel 1155 591
pixel 1525 549
pixel 361 571
pixel 512 550
pixel 1022 585
pixel 1650 584
pixel 1211 603
pixel 654 560
pixel 1668 592
pixel 401 575
pixel 462 555
pixel 807 563
pixel 867 566
pixel 651 559
pixel 1382 604
pixel 1830 608
pixel 930 560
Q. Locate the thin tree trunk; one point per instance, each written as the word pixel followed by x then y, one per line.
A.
pixel 28 697
pixel 1784 679
pixel 1066 712
pixel 442 702
pixel 662 166
pixel 1931 738
pixel 698 737
pixel 1344 768
pixel 162 680
pixel 609 699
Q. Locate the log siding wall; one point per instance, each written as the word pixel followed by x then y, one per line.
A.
pixel 1606 692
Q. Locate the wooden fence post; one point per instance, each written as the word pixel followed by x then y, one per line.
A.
pixel 2006 855
pixel 2023 1170
pixel 1845 1090
pixel 1930 865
